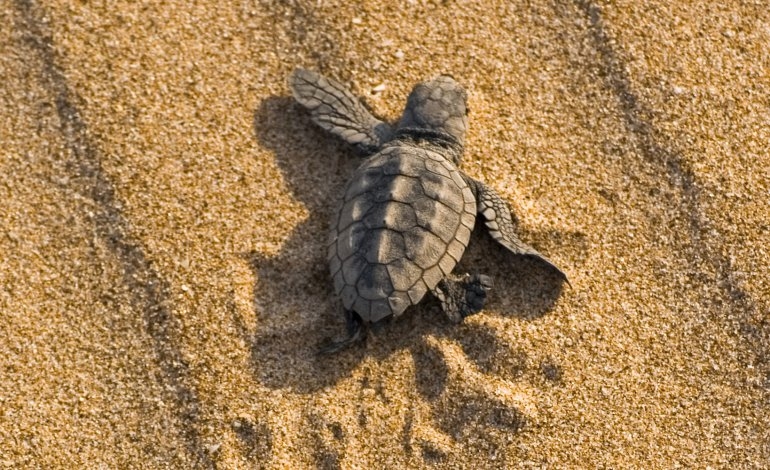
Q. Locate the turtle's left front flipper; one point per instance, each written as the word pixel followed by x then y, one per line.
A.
pixel 335 109
pixel 499 222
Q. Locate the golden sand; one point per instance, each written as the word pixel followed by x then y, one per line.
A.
pixel 163 217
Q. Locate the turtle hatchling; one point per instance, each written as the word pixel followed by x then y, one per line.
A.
pixel 407 213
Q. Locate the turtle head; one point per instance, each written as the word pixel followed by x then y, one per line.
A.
pixel 437 105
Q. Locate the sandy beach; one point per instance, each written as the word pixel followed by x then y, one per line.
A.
pixel 164 212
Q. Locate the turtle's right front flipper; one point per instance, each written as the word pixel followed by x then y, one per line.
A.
pixel 499 222
pixel 337 110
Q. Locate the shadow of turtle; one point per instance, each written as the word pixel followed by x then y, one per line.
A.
pixel 285 342
pixel 294 304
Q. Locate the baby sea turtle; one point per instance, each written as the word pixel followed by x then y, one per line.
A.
pixel 408 211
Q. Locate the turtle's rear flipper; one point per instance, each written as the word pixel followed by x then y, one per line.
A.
pixel 335 109
pixel 356 333
pixel 464 297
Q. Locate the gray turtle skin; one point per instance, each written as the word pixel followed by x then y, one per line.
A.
pixel 408 211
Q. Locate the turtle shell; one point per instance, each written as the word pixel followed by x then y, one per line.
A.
pixel 404 223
